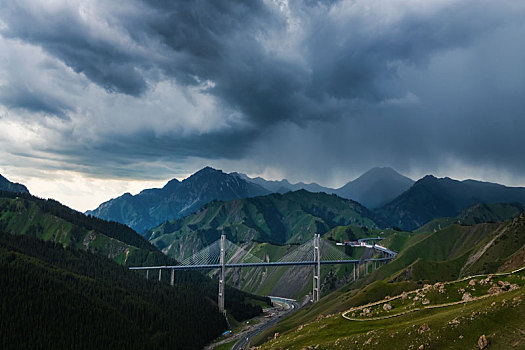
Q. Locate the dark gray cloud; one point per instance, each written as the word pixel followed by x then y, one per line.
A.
pixel 21 97
pixel 130 155
pixel 63 33
pixel 346 85
pixel 236 45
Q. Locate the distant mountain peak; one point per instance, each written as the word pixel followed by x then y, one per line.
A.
pixel 376 187
pixel 283 186
pixel 380 170
pixel 177 198
pixel 432 197
pixel 428 177
pixel 208 170
pixel 207 173
pixel 172 184
pixel 6 185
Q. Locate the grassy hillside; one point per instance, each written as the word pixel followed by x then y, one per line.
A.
pixel 458 251
pixel 476 214
pixel 424 258
pixel 24 214
pixel 493 309
pixel 290 218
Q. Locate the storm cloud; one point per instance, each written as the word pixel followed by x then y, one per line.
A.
pixel 310 90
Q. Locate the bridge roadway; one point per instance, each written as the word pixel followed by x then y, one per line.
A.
pixel 267 264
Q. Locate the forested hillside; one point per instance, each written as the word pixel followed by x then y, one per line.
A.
pixel 60 298
pixel 54 288
pixel 67 298
pixel 51 221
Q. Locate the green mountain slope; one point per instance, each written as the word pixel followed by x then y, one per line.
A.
pixel 61 298
pixel 476 214
pixel 6 185
pixel 431 198
pixel 48 220
pixel 290 218
pixel 458 251
pixel 492 312
pixel 423 258
pixel 52 221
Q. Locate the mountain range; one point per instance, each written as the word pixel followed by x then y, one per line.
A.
pixel 292 217
pixel 374 188
pixel 176 199
pixel 471 228
pixel 432 197
pixel 283 186
pixel 396 199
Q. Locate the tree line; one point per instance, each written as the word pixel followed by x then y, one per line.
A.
pixel 62 298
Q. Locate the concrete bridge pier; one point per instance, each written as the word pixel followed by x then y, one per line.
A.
pixel 172 280
pixel 221 277
pixel 316 293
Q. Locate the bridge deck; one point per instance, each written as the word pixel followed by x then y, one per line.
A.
pixel 268 264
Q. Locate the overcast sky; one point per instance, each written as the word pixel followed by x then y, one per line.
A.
pixel 102 97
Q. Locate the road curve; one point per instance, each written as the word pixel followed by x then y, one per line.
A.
pixel 244 342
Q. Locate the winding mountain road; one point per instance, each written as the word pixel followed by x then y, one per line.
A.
pixel 244 342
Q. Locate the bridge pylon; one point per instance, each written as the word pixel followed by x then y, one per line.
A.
pixel 221 277
pixel 316 292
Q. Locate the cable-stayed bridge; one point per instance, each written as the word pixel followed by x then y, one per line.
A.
pixel 224 254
